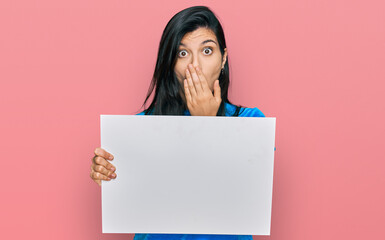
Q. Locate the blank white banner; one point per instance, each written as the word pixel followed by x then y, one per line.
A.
pixel 188 174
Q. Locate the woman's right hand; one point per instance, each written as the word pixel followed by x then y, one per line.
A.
pixel 101 169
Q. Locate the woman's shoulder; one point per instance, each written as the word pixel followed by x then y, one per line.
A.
pixel 143 112
pixel 244 111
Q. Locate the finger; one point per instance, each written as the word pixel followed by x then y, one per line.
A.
pixel 187 91
pixel 217 91
pixel 191 85
pixel 205 85
pixel 101 161
pixel 196 80
pixel 99 182
pixel 103 153
pixel 98 176
pixel 101 169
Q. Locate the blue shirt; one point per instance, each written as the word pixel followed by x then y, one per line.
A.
pixel 244 112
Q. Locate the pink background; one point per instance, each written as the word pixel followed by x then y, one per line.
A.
pixel 317 66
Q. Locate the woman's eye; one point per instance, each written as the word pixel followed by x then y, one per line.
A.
pixel 179 53
pixel 208 49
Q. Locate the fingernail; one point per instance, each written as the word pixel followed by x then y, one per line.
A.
pixel 110 157
pixel 112 169
pixel 113 175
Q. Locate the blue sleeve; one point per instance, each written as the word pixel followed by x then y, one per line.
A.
pixel 141 113
pixel 251 112
pixel 166 236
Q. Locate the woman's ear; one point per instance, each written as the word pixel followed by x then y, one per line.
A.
pixel 224 58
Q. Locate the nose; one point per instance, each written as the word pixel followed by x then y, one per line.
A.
pixel 195 61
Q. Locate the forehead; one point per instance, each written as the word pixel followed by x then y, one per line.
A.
pixel 198 36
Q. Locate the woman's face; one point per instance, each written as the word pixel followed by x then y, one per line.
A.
pixel 200 48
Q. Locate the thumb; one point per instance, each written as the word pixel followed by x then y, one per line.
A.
pixel 217 91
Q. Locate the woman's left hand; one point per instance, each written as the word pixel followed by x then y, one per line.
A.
pixel 200 100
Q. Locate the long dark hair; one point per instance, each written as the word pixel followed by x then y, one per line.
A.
pixel 167 99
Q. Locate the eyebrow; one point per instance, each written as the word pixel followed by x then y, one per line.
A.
pixel 205 41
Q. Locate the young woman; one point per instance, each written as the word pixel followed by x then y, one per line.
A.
pixel 191 77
